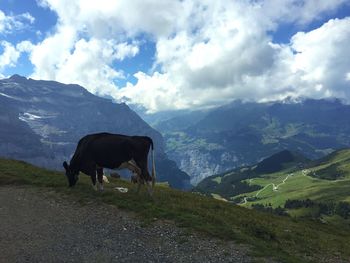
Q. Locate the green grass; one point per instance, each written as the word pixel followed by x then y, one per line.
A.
pixel 289 240
pixel 217 179
pixel 301 186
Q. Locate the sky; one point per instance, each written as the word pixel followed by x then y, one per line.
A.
pixel 181 54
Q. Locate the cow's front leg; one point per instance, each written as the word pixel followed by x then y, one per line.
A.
pixel 99 171
pixel 93 180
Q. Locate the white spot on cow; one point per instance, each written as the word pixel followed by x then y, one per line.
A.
pixel 105 179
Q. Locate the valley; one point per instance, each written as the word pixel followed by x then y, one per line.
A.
pixel 213 141
pixel 294 181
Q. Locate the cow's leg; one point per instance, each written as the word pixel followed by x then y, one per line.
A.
pixel 138 185
pixel 140 182
pixel 93 180
pixel 149 188
pixel 99 171
pixel 91 171
pixel 144 176
pixel 132 166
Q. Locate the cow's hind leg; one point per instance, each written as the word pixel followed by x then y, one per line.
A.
pixel 144 176
pixel 99 171
pixel 149 188
pixel 139 183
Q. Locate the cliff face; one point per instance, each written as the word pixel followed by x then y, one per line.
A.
pixel 42 121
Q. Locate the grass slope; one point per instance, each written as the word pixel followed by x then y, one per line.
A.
pixel 233 183
pixel 284 238
pixel 312 182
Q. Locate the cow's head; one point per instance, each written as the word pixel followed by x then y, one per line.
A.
pixel 72 176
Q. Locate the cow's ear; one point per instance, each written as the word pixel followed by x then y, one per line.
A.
pixel 65 165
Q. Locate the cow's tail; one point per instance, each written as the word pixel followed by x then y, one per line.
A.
pixel 153 165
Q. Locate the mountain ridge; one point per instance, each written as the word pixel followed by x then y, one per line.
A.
pixel 242 133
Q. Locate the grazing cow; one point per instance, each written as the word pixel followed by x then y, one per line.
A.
pixel 114 151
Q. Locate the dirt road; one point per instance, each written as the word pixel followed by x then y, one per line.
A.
pixel 41 226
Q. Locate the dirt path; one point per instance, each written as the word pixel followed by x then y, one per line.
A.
pixel 41 226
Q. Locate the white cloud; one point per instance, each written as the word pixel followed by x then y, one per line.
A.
pixel 11 23
pixel 87 42
pixel 231 56
pixel 321 59
pixel 347 76
pixel 9 56
pixel 90 65
pixel 207 52
pixel 272 12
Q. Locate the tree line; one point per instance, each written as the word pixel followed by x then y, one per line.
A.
pixel 329 208
pixel 324 208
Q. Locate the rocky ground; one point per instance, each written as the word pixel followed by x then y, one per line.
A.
pixel 42 226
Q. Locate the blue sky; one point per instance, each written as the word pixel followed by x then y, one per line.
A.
pixel 188 54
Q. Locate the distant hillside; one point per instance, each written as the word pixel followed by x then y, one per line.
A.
pixel 279 161
pixel 324 180
pixel 233 183
pixel 42 121
pixel 241 133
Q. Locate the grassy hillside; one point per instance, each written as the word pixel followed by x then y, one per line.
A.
pixel 238 181
pixel 324 180
pixel 314 189
pixel 286 239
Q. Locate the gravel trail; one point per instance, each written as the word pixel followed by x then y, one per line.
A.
pixel 41 226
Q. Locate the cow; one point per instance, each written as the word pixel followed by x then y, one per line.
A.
pixel 114 151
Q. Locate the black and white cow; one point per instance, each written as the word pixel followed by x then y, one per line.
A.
pixel 114 151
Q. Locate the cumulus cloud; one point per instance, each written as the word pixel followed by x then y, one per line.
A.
pixel 321 59
pixel 87 42
pixel 12 23
pixel 9 56
pixel 231 56
pixel 207 52
pixel 11 53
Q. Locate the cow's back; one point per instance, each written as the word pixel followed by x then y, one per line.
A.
pixel 111 150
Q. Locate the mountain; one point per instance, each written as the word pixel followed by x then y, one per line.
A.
pixel 42 121
pixel 279 161
pixel 323 180
pixel 243 133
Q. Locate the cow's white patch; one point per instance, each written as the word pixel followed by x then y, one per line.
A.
pixel 105 179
